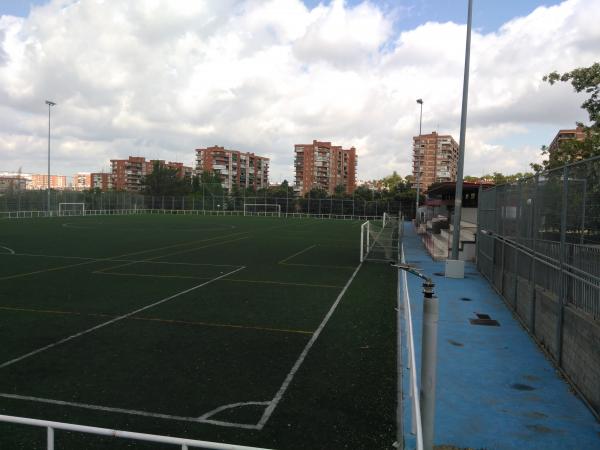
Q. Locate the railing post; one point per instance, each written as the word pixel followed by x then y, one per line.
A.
pixel 562 281
pixel 50 438
pixel 428 362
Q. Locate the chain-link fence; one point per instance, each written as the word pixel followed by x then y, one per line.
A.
pixel 538 244
pixel 112 201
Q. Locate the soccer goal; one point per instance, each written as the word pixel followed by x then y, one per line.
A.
pixel 71 209
pixel 262 209
pixel 379 242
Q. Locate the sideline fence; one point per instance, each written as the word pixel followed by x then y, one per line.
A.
pixel 113 200
pixel 538 244
pixel 545 229
pixel 184 444
pixel 185 212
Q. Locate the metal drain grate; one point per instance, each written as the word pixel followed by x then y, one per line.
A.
pixel 484 319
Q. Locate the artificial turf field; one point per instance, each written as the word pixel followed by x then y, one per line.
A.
pixel 248 330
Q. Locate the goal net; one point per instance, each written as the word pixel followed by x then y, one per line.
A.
pixel 379 239
pixel 262 209
pixel 71 209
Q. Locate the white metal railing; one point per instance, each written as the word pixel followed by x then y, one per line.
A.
pixel 196 212
pixel 413 394
pixel 155 438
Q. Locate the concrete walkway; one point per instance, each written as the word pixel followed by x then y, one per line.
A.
pixel 495 388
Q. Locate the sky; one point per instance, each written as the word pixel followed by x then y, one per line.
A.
pixel 160 78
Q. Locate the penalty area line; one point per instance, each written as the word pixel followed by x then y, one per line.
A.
pixel 135 412
pixel 116 319
pixel 290 376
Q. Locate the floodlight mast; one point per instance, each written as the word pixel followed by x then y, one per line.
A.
pixel 420 102
pixel 461 149
pixel 50 105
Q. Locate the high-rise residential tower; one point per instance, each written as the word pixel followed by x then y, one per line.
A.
pixel 324 166
pixel 244 170
pixel 436 156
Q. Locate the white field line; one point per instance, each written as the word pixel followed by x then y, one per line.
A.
pixel 283 261
pixel 108 259
pixel 133 411
pixel 230 406
pixel 10 250
pixel 116 319
pixel 286 383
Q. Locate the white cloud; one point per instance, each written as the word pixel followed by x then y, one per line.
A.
pixel 162 77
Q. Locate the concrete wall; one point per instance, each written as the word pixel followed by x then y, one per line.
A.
pixel 581 353
pixel 580 336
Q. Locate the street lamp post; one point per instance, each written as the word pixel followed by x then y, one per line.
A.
pixel 420 102
pixel 50 105
pixel 455 268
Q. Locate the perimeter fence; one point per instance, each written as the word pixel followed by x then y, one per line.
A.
pixel 538 244
pixel 113 200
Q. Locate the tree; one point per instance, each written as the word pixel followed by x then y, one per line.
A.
pixel 164 180
pixel 316 193
pixel 583 79
pixel 339 191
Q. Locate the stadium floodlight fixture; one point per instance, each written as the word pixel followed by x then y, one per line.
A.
pixel 420 102
pixel 50 105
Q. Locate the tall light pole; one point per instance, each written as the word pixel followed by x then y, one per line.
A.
pixel 50 105
pixel 420 102
pixel 454 267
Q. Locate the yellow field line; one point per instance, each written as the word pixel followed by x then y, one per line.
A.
pixel 152 319
pixel 229 280
pixel 296 254
pixel 224 325
pixel 52 269
pixel 51 311
pixel 282 283
pixel 317 265
pixel 147 275
pixel 188 250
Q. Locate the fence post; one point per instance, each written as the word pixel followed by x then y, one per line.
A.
pixel 532 235
pixel 50 438
pixel 519 217
pixel 428 362
pixel 562 279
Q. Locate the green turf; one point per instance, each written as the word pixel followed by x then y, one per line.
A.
pixel 233 340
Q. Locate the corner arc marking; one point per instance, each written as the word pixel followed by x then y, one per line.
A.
pixel 211 413
pixel 10 250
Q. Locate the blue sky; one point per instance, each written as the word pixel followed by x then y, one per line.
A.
pixel 488 15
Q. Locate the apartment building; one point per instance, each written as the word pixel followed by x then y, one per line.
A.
pixel 82 181
pixel 12 183
pixel 437 157
pixel 577 134
pixel 241 169
pixel 324 166
pixel 40 181
pixel 127 174
pixel 100 180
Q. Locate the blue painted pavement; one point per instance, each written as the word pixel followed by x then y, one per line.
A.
pixel 495 388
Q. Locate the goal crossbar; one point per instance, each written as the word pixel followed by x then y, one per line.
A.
pixel 262 209
pixel 65 210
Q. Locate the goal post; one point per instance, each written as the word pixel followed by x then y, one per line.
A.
pixel 71 209
pixel 379 242
pixel 262 209
pixel 364 240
